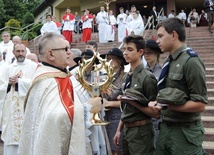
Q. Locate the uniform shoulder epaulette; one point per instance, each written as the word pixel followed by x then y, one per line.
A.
pixel 192 53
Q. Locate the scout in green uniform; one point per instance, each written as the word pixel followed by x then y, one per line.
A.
pixel 185 93
pixel 141 86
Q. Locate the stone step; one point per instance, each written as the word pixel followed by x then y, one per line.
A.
pixel 211 101
pixel 207 60
pixel 210 84
pixel 209 111
pixel 210 92
pixel 209 71
pixel 209 65
pixel 209 134
pixel 208 143
pixel 210 77
pixel 208 121
pixel 196 45
pixel 209 147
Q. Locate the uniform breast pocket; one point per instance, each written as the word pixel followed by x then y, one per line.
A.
pixel 177 78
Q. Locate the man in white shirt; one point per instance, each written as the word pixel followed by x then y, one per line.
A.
pixel 49 26
pixel 102 19
pixel 6 47
pixel 121 21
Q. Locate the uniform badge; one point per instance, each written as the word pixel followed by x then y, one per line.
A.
pixel 178 65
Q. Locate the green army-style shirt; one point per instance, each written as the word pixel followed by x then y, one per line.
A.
pixel 144 82
pixel 186 73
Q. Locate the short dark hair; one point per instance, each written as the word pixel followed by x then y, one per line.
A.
pixel 92 43
pixel 48 15
pixel 137 40
pixel 14 46
pixel 174 24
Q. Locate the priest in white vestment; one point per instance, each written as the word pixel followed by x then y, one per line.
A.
pixel 121 21
pixel 102 20
pixel 16 82
pixel 54 116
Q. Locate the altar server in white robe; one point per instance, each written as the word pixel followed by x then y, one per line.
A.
pixel 102 20
pixel 110 28
pixel 121 21
pixel 54 116
pixel 17 80
pixel 136 26
pixel 49 26
pixel 131 16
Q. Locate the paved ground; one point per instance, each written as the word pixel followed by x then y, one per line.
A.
pixel 1 148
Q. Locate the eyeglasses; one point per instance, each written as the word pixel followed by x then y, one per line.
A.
pixel 65 48
pixel 5 35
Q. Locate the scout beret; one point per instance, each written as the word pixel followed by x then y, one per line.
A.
pixel 136 96
pixel 171 96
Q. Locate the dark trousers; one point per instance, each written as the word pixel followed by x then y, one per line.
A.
pixel 139 140
pixel 180 139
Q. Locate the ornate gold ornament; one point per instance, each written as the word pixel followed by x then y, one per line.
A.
pixel 96 87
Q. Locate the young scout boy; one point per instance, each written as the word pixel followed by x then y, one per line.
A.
pixel 140 87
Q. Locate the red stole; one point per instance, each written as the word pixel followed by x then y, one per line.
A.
pixel 66 95
pixel 71 16
pixel 89 17
pixel 58 24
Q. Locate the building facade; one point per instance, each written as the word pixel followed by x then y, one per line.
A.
pixel 58 7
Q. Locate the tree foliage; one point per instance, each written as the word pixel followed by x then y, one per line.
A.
pixel 2 10
pixel 20 10
pixel 18 14
pixel 13 23
pixel 28 19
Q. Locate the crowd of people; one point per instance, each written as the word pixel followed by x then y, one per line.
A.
pixel 152 109
pixel 126 22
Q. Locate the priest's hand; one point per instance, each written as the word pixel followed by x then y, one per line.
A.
pixel 95 102
pixel 13 80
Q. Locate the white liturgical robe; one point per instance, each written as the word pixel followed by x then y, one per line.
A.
pixel 121 21
pixel 49 128
pixel 7 51
pixel 12 100
pixel 102 20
